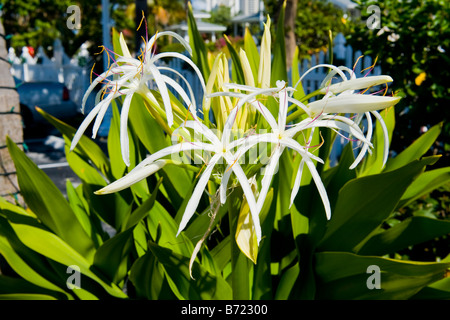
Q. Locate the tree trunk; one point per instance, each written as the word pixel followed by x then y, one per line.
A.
pixel 289 23
pixel 10 125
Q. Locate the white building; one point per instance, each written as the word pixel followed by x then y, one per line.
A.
pixel 245 7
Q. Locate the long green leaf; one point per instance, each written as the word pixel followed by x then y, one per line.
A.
pixel 424 184
pixel 86 148
pixel 237 71
pixel 199 53
pixel 205 286
pixel 279 67
pixel 412 231
pixel 53 247
pixel 364 203
pixel 47 202
pixel 416 150
pixel 345 276
pixel 252 53
pixel 111 257
pixel 31 273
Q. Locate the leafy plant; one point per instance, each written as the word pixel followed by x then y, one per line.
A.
pixel 418 32
pixel 299 254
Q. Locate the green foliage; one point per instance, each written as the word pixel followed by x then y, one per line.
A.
pixel 38 23
pixel 302 255
pixel 315 18
pixel 419 33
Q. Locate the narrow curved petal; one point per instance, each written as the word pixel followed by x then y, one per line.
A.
pixel 269 172
pixel 157 76
pixel 188 85
pixel 133 177
pixel 356 84
pixel 330 66
pixel 365 146
pixel 85 124
pixel 298 180
pixel 192 204
pixel 294 145
pixel 248 192
pixel 124 142
pixel 385 134
pixel 184 58
pixel 182 94
pixel 124 47
pixel 283 103
pixel 320 186
pixel 199 127
pixel 355 103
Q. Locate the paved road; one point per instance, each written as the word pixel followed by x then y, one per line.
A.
pixel 48 154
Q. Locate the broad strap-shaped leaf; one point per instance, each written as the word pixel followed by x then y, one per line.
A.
pixel 252 53
pixel 205 286
pixel 279 68
pixel 416 150
pixel 86 147
pixel 54 248
pixel 364 203
pixel 424 184
pixel 299 92
pixel 412 231
pixel 48 203
pixel 26 263
pixel 111 256
pixel 147 276
pixel 344 275
pixel 199 53
pixel 237 71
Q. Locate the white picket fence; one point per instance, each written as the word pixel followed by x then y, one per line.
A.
pixel 60 68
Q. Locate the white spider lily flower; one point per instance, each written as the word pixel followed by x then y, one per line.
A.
pixel 355 103
pixel 221 149
pixel 130 76
pixel 283 138
pixel 347 101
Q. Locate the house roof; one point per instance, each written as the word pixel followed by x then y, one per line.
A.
pixel 255 17
pixel 201 26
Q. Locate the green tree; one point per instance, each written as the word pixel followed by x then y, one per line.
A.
pixel 313 21
pixel 412 44
pixel 39 22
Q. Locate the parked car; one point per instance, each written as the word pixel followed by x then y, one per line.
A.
pixel 52 97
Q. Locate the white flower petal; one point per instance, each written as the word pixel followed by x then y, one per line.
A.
pixel 184 58
pixel 356 84
pixel 133 177
pixel 85 124
pixel 298 180
pixel 355 103
pixel 248 192
pixel 269 172
pixel 124 142
pixel 320 186
pixel 157 76
pixel 180 147
pixel 385 134
pixel 192 204
pixel 365 146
